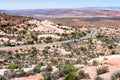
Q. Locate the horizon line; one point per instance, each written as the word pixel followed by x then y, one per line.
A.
pixel 65 8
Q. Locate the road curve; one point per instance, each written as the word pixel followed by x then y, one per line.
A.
pixel 92 33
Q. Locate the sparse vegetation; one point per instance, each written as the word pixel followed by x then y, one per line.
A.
pixel 95 63
pixel 102 70
pixel 98 78
pixel 68 61
pixel 115 75
pixel 71 76
pixel 13 66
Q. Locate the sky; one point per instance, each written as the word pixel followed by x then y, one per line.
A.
pixel 47 4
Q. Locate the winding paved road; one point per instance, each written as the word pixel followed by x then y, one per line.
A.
pixel 92 33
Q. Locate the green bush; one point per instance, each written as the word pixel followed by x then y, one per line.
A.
pixel 49 40
pixel 98 78
pixel 13 66
pixel 81 74
pixel 49 68
pixel 17 73
pixel 30 42
pixel 83 49
pixel 95 63
pixel 66 69
pixel 71 76
pixel 77 52
pixel 61 39
pixel 39 65
pixel 47 76
pixel 7 43
pixel 30 72
pixel 9 73
pixel 113 52
pixel 84 75
pixel 2 78
pixel 115 75
pixel 79 61
pixel 20 73
pixel 102 70
pixel 45 51
pixel 36 70
pixel 110 47
pixel 33 52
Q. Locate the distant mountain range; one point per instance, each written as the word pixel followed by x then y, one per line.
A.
pixel 102 8
pixel 63 13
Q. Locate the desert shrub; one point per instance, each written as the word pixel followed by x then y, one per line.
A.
pixel 83 49
pixel 9 74
pixel 47 47
pixel 0 65
pixel 30 42
pixel 13 66
pixel 73 35
pixel 30 72
pixel 66 69
pixel 49 68
pixel 36 70
pixel 113 52
pixel 71 76
pixel 95 63
pixel 2 78
pixel 82 75
pixel 49 40
pixel 23 31
pixel 56 75
pixel 20 73
pixel 115 75
pixel 110 47
pixel 14 73
pixel 45 51
pixel 7 43
pixel 102 70
pixel 101 54
pixel 79 61
pixel 33 52
pixel 39 65
pixel 47 76
pixel 98 78
pixel 9 52
pixel 17 56
pixel 61 39
pixel 65 34
pixel 77 52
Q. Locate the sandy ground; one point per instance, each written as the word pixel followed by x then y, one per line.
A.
pixel 47 26
pixel 48 35
pixel 35 77
pixel 113 63
pixel 2 40
pixel 32 77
